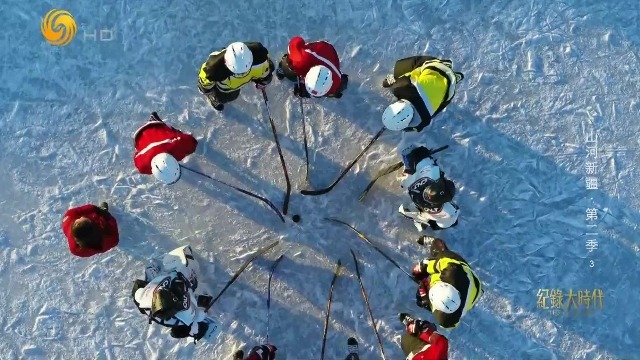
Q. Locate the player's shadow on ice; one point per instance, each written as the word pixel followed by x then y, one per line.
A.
pixel 139 237
pixel 248 207
pixel 242 176
pixel 242 310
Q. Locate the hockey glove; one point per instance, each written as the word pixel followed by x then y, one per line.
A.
pixel 263 352
pixel 388 81
pixel 180 331
pixel 437 245
pixel 411 157
pixel 422 298
pixel 103 208
pixel 262 83
pixel 204 300
pixel 344 83
pixel 301 91
pixel 420 326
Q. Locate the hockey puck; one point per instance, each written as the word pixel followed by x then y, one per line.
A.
pixel 295 218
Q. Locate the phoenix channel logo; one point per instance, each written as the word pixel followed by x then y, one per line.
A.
pixel 58 27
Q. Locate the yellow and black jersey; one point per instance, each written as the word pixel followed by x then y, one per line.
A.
pixel 451 268
pixel 427 82
pixel 214 72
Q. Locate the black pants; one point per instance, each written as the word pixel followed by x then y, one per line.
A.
pixel 224 97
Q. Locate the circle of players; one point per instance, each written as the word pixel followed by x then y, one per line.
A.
pixel 423 86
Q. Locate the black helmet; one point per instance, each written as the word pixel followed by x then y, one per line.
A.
pixel 438 193
pixel 166 304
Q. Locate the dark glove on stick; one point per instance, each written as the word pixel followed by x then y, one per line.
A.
pixel 420 326
pixel 204 300
pixel 422 298
pixel 301 91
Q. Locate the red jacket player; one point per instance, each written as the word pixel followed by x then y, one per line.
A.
pixel 421 341
pixel 90 230
pixel 261 352
pixel 316 65
pixel 159 147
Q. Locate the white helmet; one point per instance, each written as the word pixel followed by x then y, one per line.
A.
pixel 318 81
pixel 165 168
pixel 444 297
pixel 238 58
pixel 398 115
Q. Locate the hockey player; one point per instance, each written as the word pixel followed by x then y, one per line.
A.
pixel 166 296
pixel 159 147
pixel 227 70
pixel 422 341
pixel 447 285
pixel 90 229
pixel 424 86
pixel 261 352
pixel 431 193
pixel 314 65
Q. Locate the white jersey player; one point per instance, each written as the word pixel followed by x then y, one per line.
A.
pixel 430 192
pixel 167 296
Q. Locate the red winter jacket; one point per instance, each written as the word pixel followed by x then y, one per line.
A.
pixel 104 220
pixel 156 137
pixel 436 346
pixel 305 56
pixel 263 352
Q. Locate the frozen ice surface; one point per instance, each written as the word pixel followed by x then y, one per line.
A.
pixel 540 75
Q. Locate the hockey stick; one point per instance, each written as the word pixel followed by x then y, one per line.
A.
pixel 261 251
pixel 346 170
pixel 392 168
pixel 285 205
pixel 326 317
pixel 246 192
pixel 363 237
pixel 366 301
pixel 386 171
pixel 273 268
pixel 304 132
